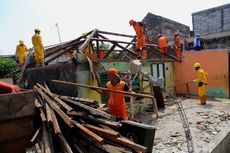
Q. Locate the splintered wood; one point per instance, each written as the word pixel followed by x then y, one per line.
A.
pixel 73 124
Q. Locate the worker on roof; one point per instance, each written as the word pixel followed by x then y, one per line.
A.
pixel 116 101
pixel 176 46
pixel 163 45
pixel 38 47
pixel 140 33
pixel 197 44
pixel 21 50
pixel 201 82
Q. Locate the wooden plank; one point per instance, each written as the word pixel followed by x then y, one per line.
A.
pixel 89 133
pixel 102 131
pixel 78 113
pixel 111 124
pixel 82 100
pixel 55 122
pixel 64 144
pixel 103 89
pixel 116 149
pixel 42 115
pixel 128 143
pixel 53 97
pixel 46 139
pixel 35 134
pixel 55 107
pixel 15 105
pixel 91 110
pixel 37 104
pixel 37 148
pixel 48 114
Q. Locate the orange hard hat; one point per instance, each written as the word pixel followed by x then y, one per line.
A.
pixel 113 71
pixel 131 22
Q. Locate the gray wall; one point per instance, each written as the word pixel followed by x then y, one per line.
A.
pixel 65 72
pixel 157 24
pixel 212 20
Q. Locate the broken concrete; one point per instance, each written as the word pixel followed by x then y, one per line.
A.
pixel 170 136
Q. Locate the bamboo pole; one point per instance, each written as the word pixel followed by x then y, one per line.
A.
pixel 104 89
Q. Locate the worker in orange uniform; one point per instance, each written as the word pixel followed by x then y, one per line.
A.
pixel 176 46
pixel 202 83
pixel 116 101
pixel 140 46
pixel 163 44
pixel 38 48
pixel 21 50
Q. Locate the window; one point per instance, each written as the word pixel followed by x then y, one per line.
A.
pixel 158 70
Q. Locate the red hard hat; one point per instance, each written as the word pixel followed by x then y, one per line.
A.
pixel 113 71
pixel 131 22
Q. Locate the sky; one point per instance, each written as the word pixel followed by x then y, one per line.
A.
pixel 19 18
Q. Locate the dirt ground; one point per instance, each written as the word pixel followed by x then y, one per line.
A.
pixel 205 122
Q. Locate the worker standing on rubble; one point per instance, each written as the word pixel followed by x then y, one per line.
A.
pixel 202 83
pixel 21 50
pixel 176 46
pixel 38 48
pixel 140 33
pixel 163 44
pixel 116 101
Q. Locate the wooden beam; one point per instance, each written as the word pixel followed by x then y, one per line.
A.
pixel 87 41
pixel 35 134
pixel 53 97
pixel 64 143
pixel 55 122
pixel 91 110
pixel 100 88
pixel 115 34
pixel 55 107
pixel 89 133
pixel 102 131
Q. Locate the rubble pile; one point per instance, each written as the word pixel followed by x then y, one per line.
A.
pixel 72 124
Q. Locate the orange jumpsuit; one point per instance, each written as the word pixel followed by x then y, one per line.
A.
pixel 176 46
pixel 116 102
pixel 140 35
pixel 38 49
pixel 163 44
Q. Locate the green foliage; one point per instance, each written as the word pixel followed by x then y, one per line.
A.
pixel 105 46
pixel 7 67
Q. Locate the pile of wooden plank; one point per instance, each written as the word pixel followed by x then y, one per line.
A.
pixel 71 124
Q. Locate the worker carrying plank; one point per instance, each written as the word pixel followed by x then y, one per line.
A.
pixel 140 46
pixel 116 101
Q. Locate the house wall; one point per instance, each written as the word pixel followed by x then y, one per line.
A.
pixel 215 63
pixel 212 20
pixel 156 24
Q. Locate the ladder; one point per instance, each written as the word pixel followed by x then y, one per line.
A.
pixel 185 124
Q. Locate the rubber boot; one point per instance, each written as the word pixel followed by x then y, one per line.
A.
pixel 203 100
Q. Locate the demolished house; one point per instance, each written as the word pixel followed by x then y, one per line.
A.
pixel 69 114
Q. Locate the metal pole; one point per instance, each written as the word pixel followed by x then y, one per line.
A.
pixel 59 36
